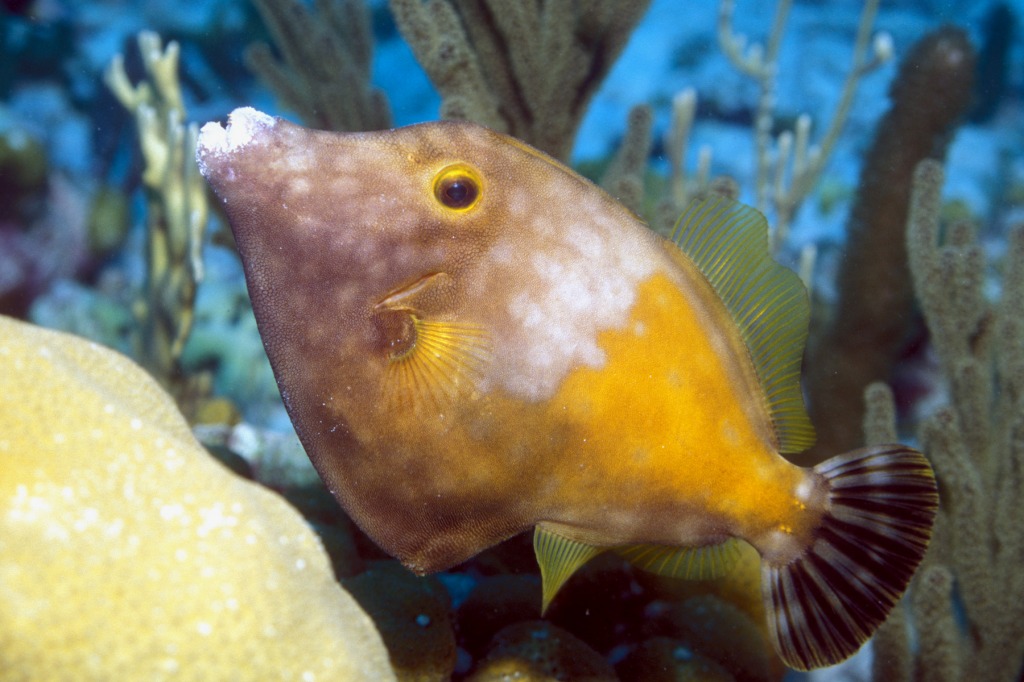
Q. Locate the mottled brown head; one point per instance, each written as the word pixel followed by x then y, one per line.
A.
pixel 402 280
pixel 330 225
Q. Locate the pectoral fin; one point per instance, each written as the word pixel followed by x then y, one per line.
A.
pixel 431 359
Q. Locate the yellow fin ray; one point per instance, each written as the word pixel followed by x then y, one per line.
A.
pixel 692 563
pixel 558 557
pixel 728 243
pixel 444 360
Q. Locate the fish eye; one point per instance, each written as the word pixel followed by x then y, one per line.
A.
pixel 457 187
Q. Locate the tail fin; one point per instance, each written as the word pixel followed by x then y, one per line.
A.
pixel 824 604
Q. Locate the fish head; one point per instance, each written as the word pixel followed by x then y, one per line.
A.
pixel 342 230
pixel 342 223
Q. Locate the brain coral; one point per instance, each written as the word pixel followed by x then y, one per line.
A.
pixel 127 553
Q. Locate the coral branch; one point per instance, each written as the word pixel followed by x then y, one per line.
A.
pixel 624 178
pixel 527 69
pixel 324 70
pixel 760 62
pixel 976 444
pixel 177 212
pixel 873 317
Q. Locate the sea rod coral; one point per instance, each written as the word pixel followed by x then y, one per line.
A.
pixel 968 604
pixel 870 324
pixel 528 69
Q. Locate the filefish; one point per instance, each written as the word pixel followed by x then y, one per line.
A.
pixel 472 340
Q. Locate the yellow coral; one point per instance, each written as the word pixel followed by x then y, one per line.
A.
pixel 126 553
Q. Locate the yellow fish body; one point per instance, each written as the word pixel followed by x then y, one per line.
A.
pixel 472 340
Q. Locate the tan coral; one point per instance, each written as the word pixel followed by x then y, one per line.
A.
pixel 968 600
pixel 176 218
pixel 324 73
pixel 127 553
pixel 527 69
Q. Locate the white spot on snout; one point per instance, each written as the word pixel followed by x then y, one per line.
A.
pixel 244 124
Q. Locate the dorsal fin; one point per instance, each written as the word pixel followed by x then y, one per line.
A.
pixel 728 243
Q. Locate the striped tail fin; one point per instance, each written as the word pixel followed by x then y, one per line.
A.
pixel 824 604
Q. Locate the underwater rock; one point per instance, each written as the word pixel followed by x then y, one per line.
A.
pixel 37 251
pixel 496 602
pixel 514 555
pixel 413 615
pixel 537 651
pixel 128 553
pixel 92 313
pixel 341 548
pixel 320 510
pixel 663 659
pixel 721 632
pixel 689 612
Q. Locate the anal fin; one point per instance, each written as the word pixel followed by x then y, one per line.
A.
pixel 692 563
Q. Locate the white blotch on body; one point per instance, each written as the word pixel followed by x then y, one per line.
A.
pixel 584 259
